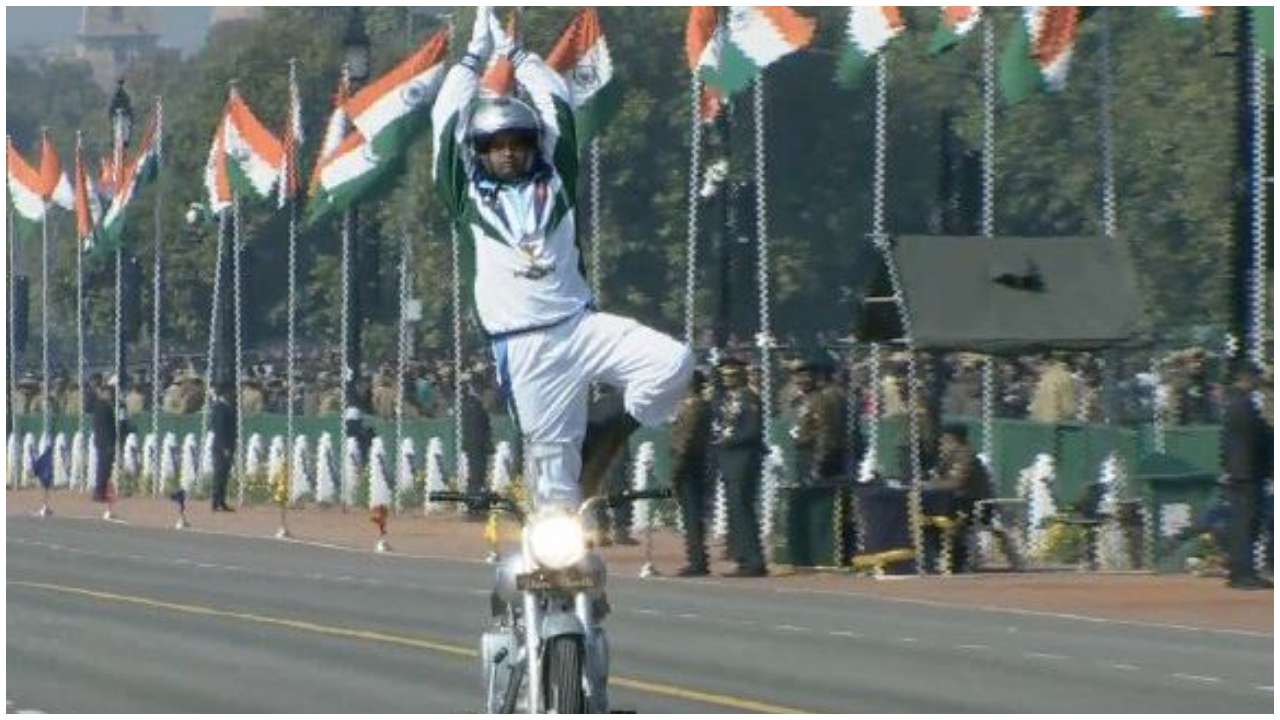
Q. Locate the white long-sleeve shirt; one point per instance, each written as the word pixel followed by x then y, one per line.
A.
pixel 528 267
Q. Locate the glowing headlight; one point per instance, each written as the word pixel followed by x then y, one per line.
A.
pixel 557 541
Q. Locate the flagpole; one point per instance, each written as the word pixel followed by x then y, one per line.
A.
pixel 238 309
pixel 119 140
pixel 288 187
pixel 44 322
pixel 156 304
pixel 12 377
pixel 80 411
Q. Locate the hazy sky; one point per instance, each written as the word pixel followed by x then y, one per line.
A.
pixel 183 27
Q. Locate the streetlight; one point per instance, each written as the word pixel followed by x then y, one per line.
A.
pixel 356 50
pixel 120 113
pixel 356 53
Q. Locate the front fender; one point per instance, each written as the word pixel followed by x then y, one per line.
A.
pixel 561 623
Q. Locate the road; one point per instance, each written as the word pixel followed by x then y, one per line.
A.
pixel 110 618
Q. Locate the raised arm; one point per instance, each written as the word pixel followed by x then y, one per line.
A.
pixel 554 104
pixel 448 169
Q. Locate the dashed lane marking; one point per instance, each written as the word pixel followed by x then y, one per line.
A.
pixel 791 628
pixel 973 647
pixel 1124 666
pixel 655 688
pixel 688 616
pixel 844 634
pixel 1044 656
pixel 1196 678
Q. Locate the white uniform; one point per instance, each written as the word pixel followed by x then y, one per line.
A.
pixel 531 296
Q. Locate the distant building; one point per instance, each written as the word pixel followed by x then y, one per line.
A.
pixel 223 15
pixel 113 39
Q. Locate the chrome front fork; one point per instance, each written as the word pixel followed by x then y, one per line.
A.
pixel 595 646
pixel 533 650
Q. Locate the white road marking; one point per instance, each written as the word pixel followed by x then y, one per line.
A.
pixel 844 633
pixel 791 628
pixel 973 647
pixel 1197 678
pixel 1023 612
pixel 688 616
pixel 1044 656
pixel 1123 666
pixel 1263 688
pixel 647 611
pixel 908 640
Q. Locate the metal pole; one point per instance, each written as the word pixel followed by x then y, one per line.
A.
pixel 238 309
pixel 46 419
pixel 988 222
pixel 155 350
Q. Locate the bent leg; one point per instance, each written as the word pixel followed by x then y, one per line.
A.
pixel 652 369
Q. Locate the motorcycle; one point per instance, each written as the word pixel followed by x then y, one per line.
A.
pixel 547 605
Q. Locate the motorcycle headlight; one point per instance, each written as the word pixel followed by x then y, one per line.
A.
pixel 557 541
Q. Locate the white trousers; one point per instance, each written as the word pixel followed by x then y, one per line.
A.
pixel 549 372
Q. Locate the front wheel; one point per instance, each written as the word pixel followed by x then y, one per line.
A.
pixel 564 675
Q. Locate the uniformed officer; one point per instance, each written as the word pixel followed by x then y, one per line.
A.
pixel 738 435
pixel 1246 447
pixel 820 422
pixel 103 412
pixel 477 440
pixel 252 398
pixel 222 422
pixel 690 444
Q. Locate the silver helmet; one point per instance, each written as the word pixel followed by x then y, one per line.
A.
pixel 492 115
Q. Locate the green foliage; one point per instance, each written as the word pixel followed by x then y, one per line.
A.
pixel 1174 107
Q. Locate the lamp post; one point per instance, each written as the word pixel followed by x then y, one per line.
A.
pixel 120 112
pixel 356 53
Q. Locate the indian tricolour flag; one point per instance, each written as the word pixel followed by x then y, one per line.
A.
pixel 88 202
pixel 956 22
pixel 582 57
pixel 138 171
pixel 754 38
pixel 24 185
pixel 54 185
pixel 335 131
pixel 290 182
pixel 257 156
pixel 353 170
pixel 391 110
pixel 1039 55
pixel 703 37
pixel 217 180
pixel 867 32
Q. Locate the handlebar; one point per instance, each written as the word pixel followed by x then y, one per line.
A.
pixel 490 500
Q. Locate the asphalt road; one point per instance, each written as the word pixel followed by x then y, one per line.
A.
pixel 111 618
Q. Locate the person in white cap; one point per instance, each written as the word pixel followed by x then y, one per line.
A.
pixel 506 163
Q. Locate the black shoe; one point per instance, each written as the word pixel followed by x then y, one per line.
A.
pixel 1250 583
pixel 693 571
pixel 747 572
pixel 223 508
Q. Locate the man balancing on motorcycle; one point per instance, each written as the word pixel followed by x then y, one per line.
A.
pixel 506 163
